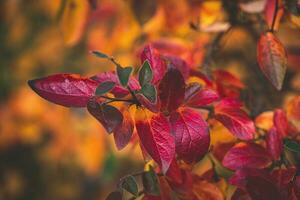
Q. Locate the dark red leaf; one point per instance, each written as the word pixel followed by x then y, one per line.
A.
pixel 248 155
pixel 123 133
pixel 70 90
pixel 110 117
pixel 191 134
pixel 179 64
pixel 155 136
pixel 270 11
pixel 235 119
pixel 171 90
pixel 274 143
pixel 283 177
pixel 157 65
pixel 191 90
pixel 272 59
pixel 174 173
pixel 118 90
pixel 228 79
pixel 202 98
pixel 281 122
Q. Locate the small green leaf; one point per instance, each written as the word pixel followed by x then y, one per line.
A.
pixel 292 145
pixel 150 183
pixel 145 73
pixel 129 184
pixel 149 92
pixel 116 195
pixel 104 87
pixel 100 54
pixel 123 74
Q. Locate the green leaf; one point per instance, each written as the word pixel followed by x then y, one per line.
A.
pixel 104 87
pixel 123 74
pixel 292 145
pixel 150 182
pixel 116 195
pixel 129 184
pixel 149 91
pixel 145 73
pixel 100 54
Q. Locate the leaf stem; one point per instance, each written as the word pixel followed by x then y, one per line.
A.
pixel 274 16
pixel 117 99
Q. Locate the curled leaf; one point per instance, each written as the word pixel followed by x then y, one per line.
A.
pixel 248 155
pixel 272 59
pixel 70 90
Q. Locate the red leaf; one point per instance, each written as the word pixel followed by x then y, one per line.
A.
pixel 283 177
pixel 157 65
pixel 274 143
pixel 202 97
pixel 110 117
pixel 155 136
pixel 272 59
pixel 228 79
pixel 179 64
pixel 118 90
pixel 153 107
pixel 270 11
pixel 281 122
pixel 191 134
pixel 70 90
pixel 248 155
pixel 171 90
pixel 123 133
pixel 174 173
pixel 235 119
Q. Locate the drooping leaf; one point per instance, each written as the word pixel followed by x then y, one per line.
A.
pixel 249 155
pixel 116 195
pixel 149 92
pixel 143 10
pixel 235 119
pixel 171 90
pixel 144 101
pixel 118 90
pixel 274 143
pixel 202 98
pixel 123 133
pixel 157 65
pixel 129 184
pixel 123 75
pixel 104 87
pixel 292 145
pixel 100 54
pixel 191 134
pixel 145 73
pixel 110 117
pixel 70 90
pixel 150 182
pixel 281 122
pixel 155 136
pixel 272 59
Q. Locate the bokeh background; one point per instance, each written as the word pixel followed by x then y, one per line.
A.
pixel 51 152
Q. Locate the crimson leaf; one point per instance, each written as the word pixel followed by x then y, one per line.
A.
pixel 249 155
pixel 171 90
pixel 274 143
pixel 70 90
pixel 110 117
pixel 154 134
pixel 191 134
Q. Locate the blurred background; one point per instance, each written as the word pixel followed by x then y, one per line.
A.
pixel 51 152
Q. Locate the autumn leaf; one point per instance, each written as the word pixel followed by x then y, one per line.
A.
pixel 123 132
pixel 283 177
pixel 273 13
pixel 249 155
pixel 155 136
pixel 157 65
pixel 110 117
pixel 70 90
pixel 236 120
pixel 281 122
pixel 206 190
pixel 144 101
pixel 272 59
pixel 179 64
pixel 274 143
pixel 171 90
pixel 191 134
pixel 202 97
